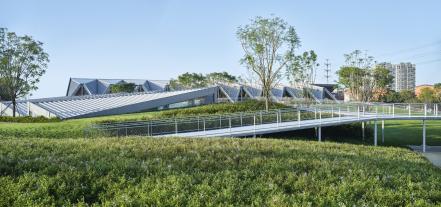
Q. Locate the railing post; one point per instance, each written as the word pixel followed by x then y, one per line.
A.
pixel 315 112
pixel 199 128
pixel 320 114
pixel 358 112
pixel 204 125
pixel 176 126
pixel 332 112
pixel 393 110
pixel 241 123
pixel 220 121
pixel 410 111
pixel 424 135
pixel 261 118
pixel 425 110
pixel 255 125
pixel 339 113
pixel 298 116
pixel 126 131
pixel 229 122
pixel 277 118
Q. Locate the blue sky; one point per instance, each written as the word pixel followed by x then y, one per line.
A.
pixel 161 39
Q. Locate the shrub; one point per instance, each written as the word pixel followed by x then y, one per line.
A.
pixel 212 172
pixel 28 119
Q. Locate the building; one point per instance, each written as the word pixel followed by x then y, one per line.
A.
pixel 89 86
pixel 100 103
pixel 404 76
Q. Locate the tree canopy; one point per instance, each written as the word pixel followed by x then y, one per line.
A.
pixel 22 63
pixel 268 45
pixel 198 80
pixel 122 88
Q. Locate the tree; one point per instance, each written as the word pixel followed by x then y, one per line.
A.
pixel 383 81
pixel 268 44
pixel 22 63
pixel 427 95
pixel 4 96
pixel 437 86
pixel 188 81
pixel 303 70
pixel 122 88
pixel 364 81
pixel 222 77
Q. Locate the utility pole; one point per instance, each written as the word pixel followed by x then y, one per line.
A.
pixel 327 70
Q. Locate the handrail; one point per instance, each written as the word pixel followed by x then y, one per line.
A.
pixel 298 115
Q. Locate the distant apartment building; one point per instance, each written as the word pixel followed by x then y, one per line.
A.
pixel 404 76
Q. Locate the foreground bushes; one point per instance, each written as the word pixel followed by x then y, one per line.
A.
pixel 201 172
pixel 28 119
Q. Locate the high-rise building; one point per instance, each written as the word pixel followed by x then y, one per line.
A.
pixel 404 76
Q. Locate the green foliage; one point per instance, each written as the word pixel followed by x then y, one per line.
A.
pixel 220 108
pixel 4 96
pixel 437 86
pixel 197 80
pixel 28 119
pixel 75 128
pixel 22 63
pixel 427 95
pixel 303 68
pixel 188 81
pixel 122 88
pixel 220 77
pixel 383 77
pixel 405 96
pixel 212 172
pixel 364 81
pixel 269 45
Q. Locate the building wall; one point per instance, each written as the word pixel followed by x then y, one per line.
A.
pixel 404 75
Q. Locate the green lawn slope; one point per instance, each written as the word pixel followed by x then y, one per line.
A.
pixel 201 172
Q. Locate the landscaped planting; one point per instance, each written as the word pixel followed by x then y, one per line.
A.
pixel 75 128
pixel 201 172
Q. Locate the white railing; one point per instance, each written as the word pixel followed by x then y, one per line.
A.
pixel 300 116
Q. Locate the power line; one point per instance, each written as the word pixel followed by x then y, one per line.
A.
pixel 390 54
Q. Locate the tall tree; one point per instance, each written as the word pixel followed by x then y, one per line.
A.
pixel 364 81
pixel 22 63
pixel 269 45
pixel 303 71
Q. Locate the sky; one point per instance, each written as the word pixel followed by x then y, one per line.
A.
pixel 159 40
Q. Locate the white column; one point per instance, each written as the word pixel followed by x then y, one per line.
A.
pixel 362 130
pixel 382 131
pixel 298 116
pixel 424 135
pixel 320 134
pixel 375 133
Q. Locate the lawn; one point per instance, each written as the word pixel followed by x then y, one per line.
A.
pixel 75 128
pixel 201 172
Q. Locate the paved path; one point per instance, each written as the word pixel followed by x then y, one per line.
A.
pixel 433 153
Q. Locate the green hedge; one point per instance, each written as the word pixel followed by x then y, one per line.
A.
pixel 28 119
pixel 212 172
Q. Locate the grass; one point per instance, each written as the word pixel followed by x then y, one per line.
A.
pixel 410 133
pixel 75 128
pixel 207 172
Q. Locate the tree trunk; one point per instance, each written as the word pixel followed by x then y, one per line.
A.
pixel 14 106
pixel 267 103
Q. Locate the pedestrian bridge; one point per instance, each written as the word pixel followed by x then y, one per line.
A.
pixel 275 121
